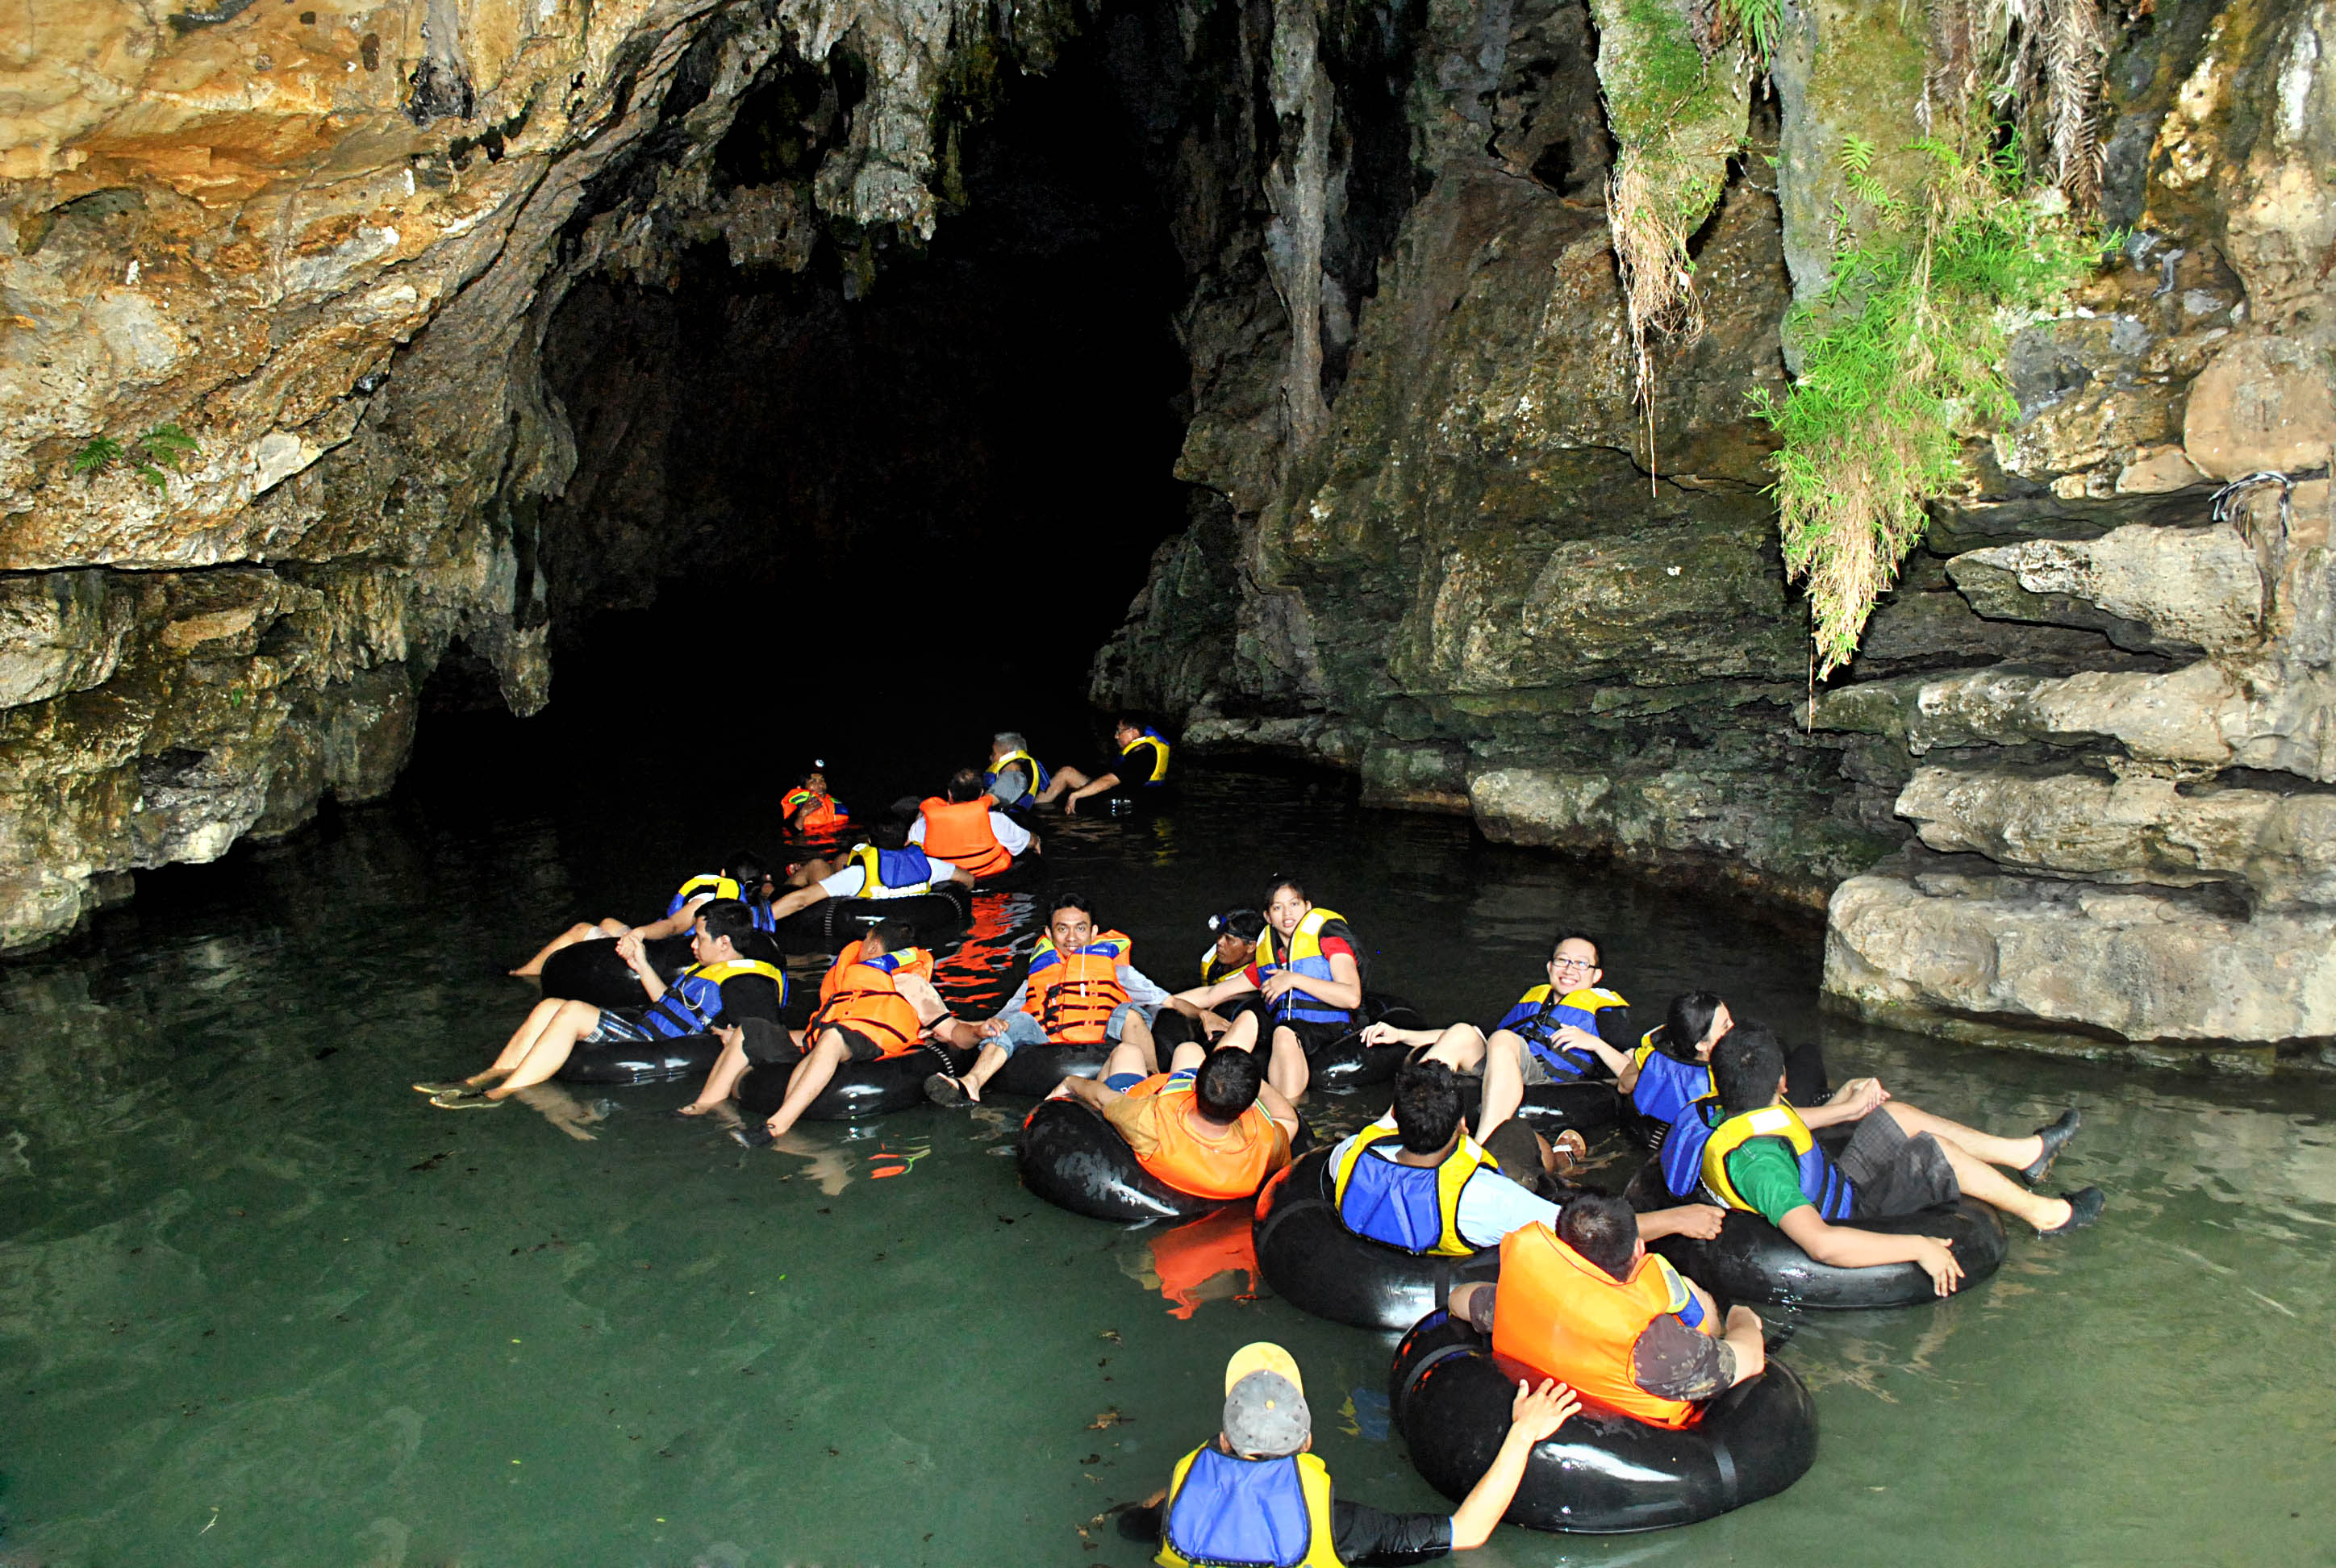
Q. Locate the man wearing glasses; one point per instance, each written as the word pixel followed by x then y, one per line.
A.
pixel 1554 1035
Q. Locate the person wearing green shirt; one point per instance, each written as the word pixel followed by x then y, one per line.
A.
pixel 1899 1160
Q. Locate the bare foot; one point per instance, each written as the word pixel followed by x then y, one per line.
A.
pixel 528 971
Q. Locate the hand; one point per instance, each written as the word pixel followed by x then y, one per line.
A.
pixel 1569 1149
pixel 1211 1025
pixel 628 947
pixel 1700 1220
pixel 1938 1260
pixel 1537 1413
pixel 1279 984
pixel 1577 1037
pixel 991 1028
pixel 1743 1319
pixel 732 1036
pixel 1378 1034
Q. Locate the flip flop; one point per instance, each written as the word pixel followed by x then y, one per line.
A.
pixel 755 1135
pixel 464 1102
pixel 943 1089
pixel 446 1086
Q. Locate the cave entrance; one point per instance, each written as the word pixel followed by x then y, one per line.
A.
pixel 935 472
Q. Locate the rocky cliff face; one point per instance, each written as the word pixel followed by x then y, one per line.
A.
pixel 326 244
pixel 2067 794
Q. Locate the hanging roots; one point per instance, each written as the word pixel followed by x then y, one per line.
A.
pixel 1659 294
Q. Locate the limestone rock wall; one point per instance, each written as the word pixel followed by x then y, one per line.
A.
pixel 2070 793
pixel 325 242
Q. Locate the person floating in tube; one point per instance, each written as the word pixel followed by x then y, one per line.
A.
pixel 1210 1127
pixel 1584 1301
pixel 1014 776
pixel 1761 1157
pixel 720 988
pixel 1141 765
pixel 742 876
pixel 1236 932
pixel 1255 1495
pixel 1082 989
pixel 968 829
pixel 1669 1080
pixel 1555 1034
pixel 1414 1179
pixel 808 810
pixel 889 868
pixel 1303 985
pixel 877 1001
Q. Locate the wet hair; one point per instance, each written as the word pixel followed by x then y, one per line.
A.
pixel 891 833
pixel 1746 1065
pixel 1011 740
pixel 1427 1106
pixel 1602 1228
pixel 1127 721
pixel 891 936
pixel 1073 899
pixel 965 784
pixel 818 768
pixel 747 868
pixel 1687 1022
pixel 1246 924
pixel 905 810
pixel 1597 948
pixel 1292 883
pixel 1227 1083
pixel 725 918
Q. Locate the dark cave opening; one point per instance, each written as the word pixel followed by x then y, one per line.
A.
pixel 943 474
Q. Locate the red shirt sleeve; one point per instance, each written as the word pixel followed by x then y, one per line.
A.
pixel 1256 975
pixel 1331 944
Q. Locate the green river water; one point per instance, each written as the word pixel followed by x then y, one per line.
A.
pixel 260 1303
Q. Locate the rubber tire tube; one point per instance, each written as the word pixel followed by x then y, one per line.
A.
pixel 1601 1473
pixel 858 1090
pixel 1033 1071
pixel 1588 1106
pixel 591 971
pixel 1309 1257
pixel 640 1061
pixel 829 924
pixel 1752 1260
pixel 1074 1158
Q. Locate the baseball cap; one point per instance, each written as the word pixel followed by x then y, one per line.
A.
pixel 1265 1402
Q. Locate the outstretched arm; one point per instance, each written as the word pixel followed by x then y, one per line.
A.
pixel 1094 786
pixel 1535 1414
pixel 1847 1247
pixel 1700 1220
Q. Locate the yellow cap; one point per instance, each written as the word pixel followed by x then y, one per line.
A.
pixel 1262 1356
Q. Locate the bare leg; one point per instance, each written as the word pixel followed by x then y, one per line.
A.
pixel 515 1049
pixel 985 1067
pixel 581 931
pixel 811 1075
pixel 1504 1081
pixel 1990 1186
pixel 547 1052
pixel 1460 1047
pixel 728 1068
pixel 2012 1152
pixel 1066 778
pixel 1240 1035
pixel 1128 1056
pixel 1285 1065
pixel 1136 1033
pixel 1191 1054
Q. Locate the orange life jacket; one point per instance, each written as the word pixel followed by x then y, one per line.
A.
pixel 807 812
pixel 1233 1166
pixel 1073 994
pixel 1566 1317
pixel 867 1000
pixel 962 835
pixel 914 961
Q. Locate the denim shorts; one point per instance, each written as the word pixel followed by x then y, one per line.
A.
pixel 1022 1030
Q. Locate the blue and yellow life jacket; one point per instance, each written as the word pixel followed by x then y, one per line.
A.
pixel 705 885
pixel 1224 1512
pixel 1415 1207
pixel 1676 1095
pixel 1150 738
pixel 882 870
pixel 1305 958
pixel 693 1001
pixel 1822 1183
pixel 1536 1018
pixel 1038 773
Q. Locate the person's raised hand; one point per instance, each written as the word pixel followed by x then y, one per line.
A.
pixel 1538 1413
pixel 628 947
pixel 1938 1260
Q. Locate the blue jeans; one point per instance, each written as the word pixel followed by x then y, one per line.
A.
pixel 1022 1030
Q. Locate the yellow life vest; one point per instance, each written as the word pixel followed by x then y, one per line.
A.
pixel 1822 1181
pixel 705 885
pixel 1313 1480
pixel 868 857
pixel 1304 957
pixel 1450 1177
pixel 1035 775
pixel 1160 763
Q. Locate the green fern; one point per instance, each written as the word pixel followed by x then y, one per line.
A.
pixel 160 448
pixel 97 456
pixel 1900 357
